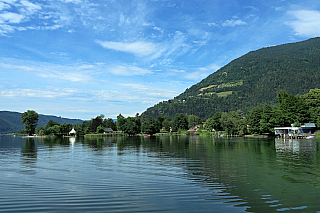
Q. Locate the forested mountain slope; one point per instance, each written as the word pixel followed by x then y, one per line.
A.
pixel 251 80
pixel 10 122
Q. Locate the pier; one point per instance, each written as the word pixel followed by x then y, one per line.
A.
pixel 291 133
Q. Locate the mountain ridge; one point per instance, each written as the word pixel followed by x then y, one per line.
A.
pixel 251 80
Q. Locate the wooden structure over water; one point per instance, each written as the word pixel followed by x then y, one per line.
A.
pixel 290 132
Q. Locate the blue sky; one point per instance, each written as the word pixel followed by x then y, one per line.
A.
pixel 83 58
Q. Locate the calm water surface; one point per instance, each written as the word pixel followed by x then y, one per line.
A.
pixel 159 174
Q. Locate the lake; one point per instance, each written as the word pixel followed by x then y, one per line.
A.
pixel 159 174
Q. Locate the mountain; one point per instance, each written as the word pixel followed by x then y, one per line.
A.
pixel 10 122
pixel 251 80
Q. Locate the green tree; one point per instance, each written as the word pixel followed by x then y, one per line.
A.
pixel 266 125
pixel 65 128
pixel 109 123
pixel 233 124
pixel 216 121
pixel 253 120
pixel 209 124
pixel 194 120
pixel 312 100
pixel 149 127
pixel 30 119
pixel 180 121
pixel 95 123
pixel 131 127
pixel 100 129
pixel 51 123
pixel 293 108
pixel 120 122
pixel 79 128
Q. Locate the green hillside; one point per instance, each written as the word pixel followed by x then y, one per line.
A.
pixel 251 80
pixel 10 122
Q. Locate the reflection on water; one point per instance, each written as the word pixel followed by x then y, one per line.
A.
pixel 28 157
pixel 154 174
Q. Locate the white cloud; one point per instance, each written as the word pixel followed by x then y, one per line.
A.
pixel 75 73
pixel 128 70
pixel 38 93
pixel 4 6
pixel 30 7
pixel 306 23
pixel 139 49
pixel 212 24
pixel 233 23
pixel 11 18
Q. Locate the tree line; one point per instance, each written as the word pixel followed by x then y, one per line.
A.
pixel 291 109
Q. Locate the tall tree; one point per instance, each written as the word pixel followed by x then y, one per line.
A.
pixel 312 100
pixel 131 127
pixel 30 119
pixel 194 120
pixel 266 125
pixel 180 121
pixel 120 122
pixel 233 123
pixel 216 121
pixel 95 123
pixel 149 127
pixel 253 120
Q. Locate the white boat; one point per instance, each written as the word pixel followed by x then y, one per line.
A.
pixel 309 137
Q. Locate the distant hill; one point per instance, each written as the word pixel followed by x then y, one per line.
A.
pixel 10 122
pixel 251 80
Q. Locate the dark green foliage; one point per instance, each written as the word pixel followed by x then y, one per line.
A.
pixel 149 127
pixel 109 123
pixel 252 80
pixel 120 122
pixel 180 122
pixel 233 123
pixel 131 127
pixel 216 121
pixel 266 126
pixel 95 123
pixel 100 129
pixel 312 100
pixel 253 120
pixel 30 119
pixel 194 120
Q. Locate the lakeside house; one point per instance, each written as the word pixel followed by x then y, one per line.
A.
pixel 108 130
pixel 195 128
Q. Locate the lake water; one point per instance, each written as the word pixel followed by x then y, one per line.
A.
pixel 159 174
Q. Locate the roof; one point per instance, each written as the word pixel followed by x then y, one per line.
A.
pixel 72 131
pixel 109 130
pixel 311 125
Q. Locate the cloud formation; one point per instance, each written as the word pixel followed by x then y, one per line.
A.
pixel 140 49
pixel 306 23
pixel 233 23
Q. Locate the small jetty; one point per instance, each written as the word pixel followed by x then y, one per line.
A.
pixel 305 131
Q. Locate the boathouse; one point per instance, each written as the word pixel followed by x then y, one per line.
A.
pixel 290 132
pixel 308 128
